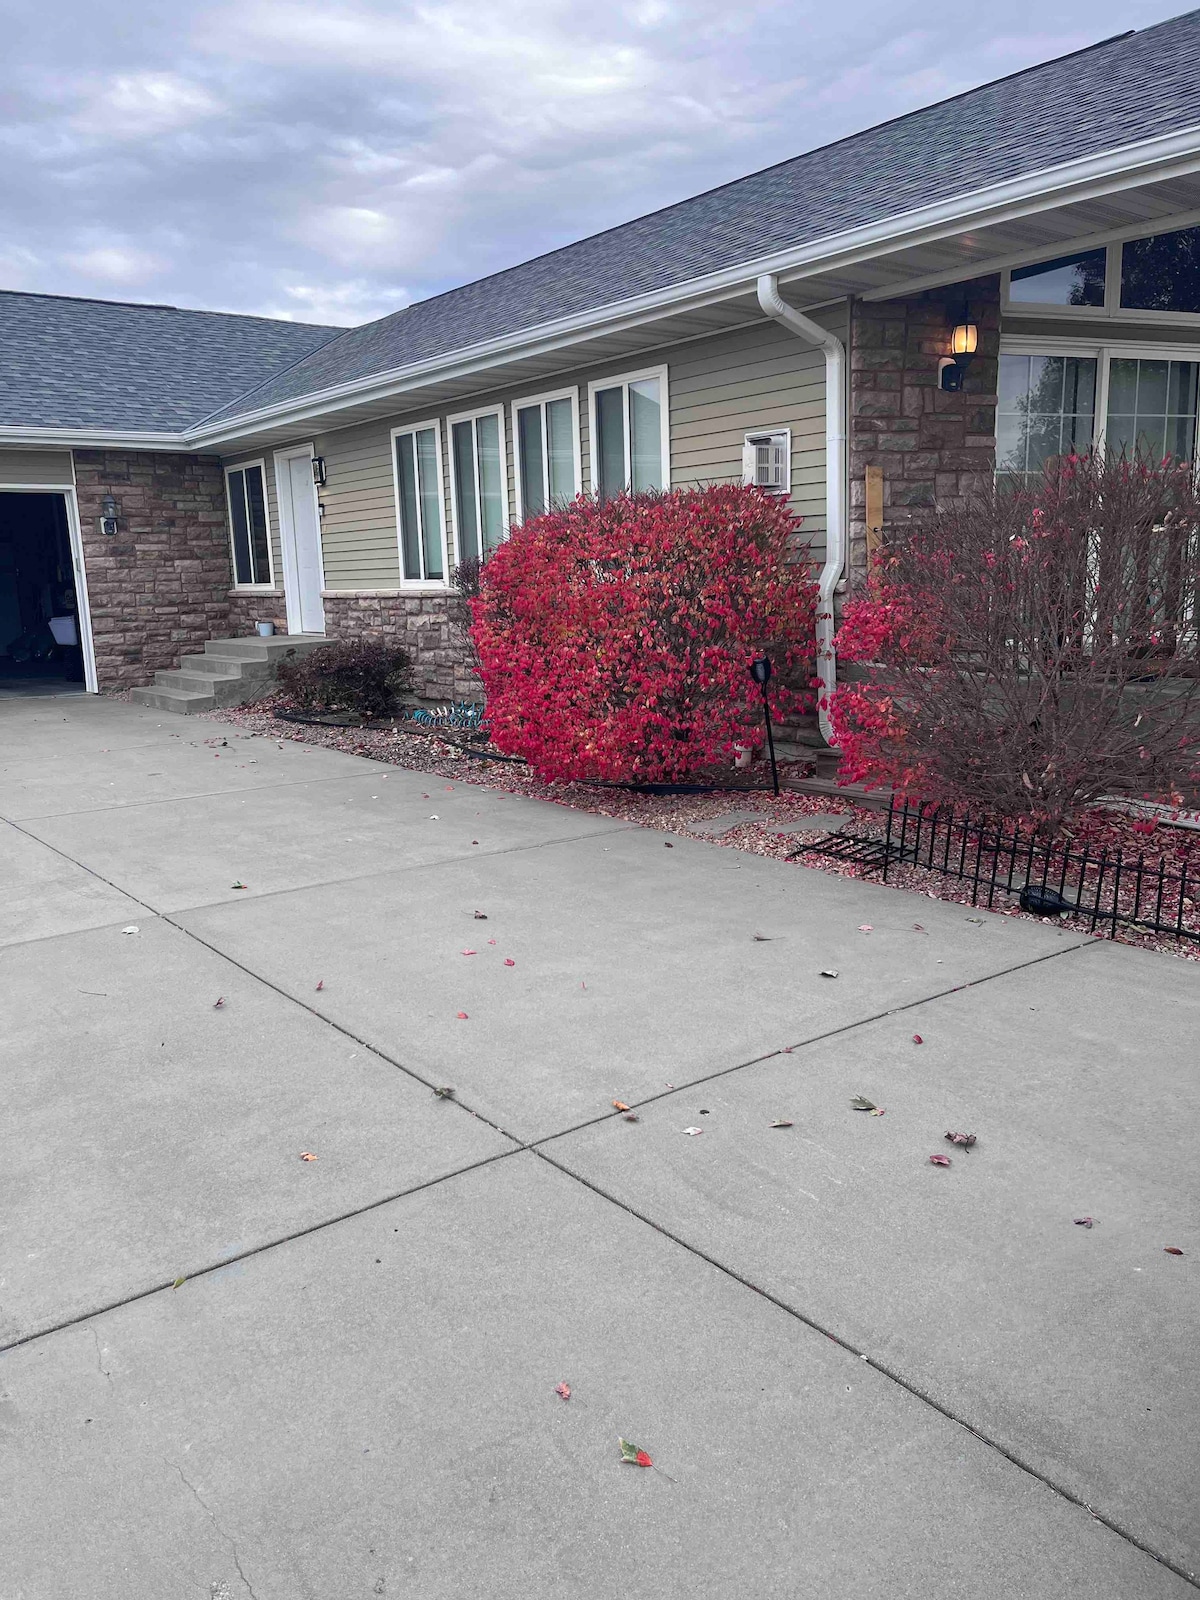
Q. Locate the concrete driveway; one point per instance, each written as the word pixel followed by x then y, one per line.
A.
pixel 231 1371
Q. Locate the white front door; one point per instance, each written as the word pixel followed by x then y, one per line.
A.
pixel 300 537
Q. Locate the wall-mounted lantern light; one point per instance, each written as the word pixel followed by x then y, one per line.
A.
pixel 964 341
pixel 109 512
pixel 319 471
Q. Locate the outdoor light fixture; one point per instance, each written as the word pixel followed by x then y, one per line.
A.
pixel 964 341
pixel 319 471
pixel 109 512
pixel 760 671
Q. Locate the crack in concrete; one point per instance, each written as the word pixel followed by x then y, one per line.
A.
pixel 100 1367
pixel 212 1517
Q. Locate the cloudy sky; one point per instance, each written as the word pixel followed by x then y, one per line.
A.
pixel 331 161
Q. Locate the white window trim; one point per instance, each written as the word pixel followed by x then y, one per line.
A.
pixel 473 417
pixel 250 588
pixel 1103 354
pixel 624 379
pixel 431 585
pixel 1112 309
pixel 747 463
pixel 543 400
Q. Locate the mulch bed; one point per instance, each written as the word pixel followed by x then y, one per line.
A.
pixel 437 753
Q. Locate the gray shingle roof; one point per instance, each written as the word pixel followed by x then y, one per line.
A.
pixel 1115 93
pixel 67 363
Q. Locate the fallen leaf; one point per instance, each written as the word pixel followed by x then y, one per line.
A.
pixel 918 927
pixel 218 1002
pixel 917 1039
pixel 307 1155
pixel 321 985
pixel 179 1283
pixel 762 938
pixel 861 1103
pixel 131 929
pixel 631 1453
pixel 631 1116
pixel 474 841
pixel 238 885
pixel 481 916
pixel 878 1111
pixel 692 1133
pixel 445 1092
pixel 470 952
pixel 781 1122
pixel 491 941
pixel 829 972
pixel 563 1390
pixel 1084 1222
pixel 461 1015
pixel 964 1139
pixel 424 797
pixel 620 1105
pixel 668 845
pixel 509 962
pixel 434 817
pixel 939 1161
pixel 865 927
pixel 1172 1250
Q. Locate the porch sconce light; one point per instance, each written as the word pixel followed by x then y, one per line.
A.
pixel 109 512
pixel 319 471
pixel 760 671
pixel 964 341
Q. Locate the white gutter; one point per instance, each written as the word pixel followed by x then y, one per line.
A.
pixel 836 477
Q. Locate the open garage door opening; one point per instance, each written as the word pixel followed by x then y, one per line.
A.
pixel 41 644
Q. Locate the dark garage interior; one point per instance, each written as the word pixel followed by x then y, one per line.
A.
pixel 39 617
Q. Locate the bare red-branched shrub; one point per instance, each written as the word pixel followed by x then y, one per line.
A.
pixel 1036 649
pixel 615 636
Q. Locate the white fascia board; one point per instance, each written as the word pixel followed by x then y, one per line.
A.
pixel 90 439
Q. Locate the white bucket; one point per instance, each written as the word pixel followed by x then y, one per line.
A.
pixel 64 630
pixel 265 630
pixel 742 754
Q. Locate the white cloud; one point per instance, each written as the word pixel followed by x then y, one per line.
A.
pixel 343 305
pixel 143 104
pixel 116 264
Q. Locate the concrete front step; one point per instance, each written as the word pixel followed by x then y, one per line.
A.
pixel 230 672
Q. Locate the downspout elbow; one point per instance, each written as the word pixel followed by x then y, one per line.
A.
pixel 774 306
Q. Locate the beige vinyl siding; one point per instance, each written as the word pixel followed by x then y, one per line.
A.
pixel 720 388
pixel 51 467
pixel 268 466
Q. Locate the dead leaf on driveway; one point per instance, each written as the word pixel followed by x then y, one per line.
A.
pixel 307 1155
pixel 939 1161
pixel 861 1103
pixel 563 1390
pixel 481 916
pixel 631 1453
pixel 964 1139
pixel 865 927
pixel 1172 1250
pixel 781 1122
pixel 509 962
pixel 218 1002
pixel 620 1105
pixel 461 1015
pixel 445 1092
pixel 131 929
pixel 320 985
pixel 917 1039
pixel 829 972
pixel 179 1283
pixel 693 1133
pixel 1084 1222
pixel 470 952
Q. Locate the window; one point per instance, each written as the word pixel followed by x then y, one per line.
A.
pixel 630 448
pixel 1052 404
pixel 546 440
pixel 1162 273
pixel 1047 407
pixel 248 526
pixel 1156 277
pixel 480 483
pixel 767 460
pixel 417 464
pixel 1069 281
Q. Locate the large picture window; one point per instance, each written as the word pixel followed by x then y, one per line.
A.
pixel 546 441
pixel 479 477
pixel 630 447
pixel 417 465
pixel 249 527
pixel 1156 278
pixel 1053 403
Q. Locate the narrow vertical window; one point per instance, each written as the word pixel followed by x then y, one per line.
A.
pixel 480 484
pixel 419 503
pixel 546 441
pixel 249 527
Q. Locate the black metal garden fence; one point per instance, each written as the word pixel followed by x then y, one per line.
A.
pixel 1106 888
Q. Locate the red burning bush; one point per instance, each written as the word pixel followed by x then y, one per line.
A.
pixel 1036 649
pixel 615 636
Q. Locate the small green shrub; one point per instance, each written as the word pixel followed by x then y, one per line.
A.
pixel 364 677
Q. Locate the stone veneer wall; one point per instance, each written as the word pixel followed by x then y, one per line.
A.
pixel 159 587
pixel 246 611
pixel 935 448
pixel 424 624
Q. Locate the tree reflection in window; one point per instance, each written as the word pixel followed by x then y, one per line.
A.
pixel 1162 273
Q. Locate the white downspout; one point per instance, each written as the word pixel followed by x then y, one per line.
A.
pixel 835 475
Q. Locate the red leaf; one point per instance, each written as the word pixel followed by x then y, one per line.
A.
pixel 643 1460
pixel 563 1390
pixel 917 1039
pixel 1084 1222
pixel 939 1161
pixel 461 1015
pixel 1172 1250
pixel 321 984
pixel 964 1139
pixel 470 952
pixel 509 962
pixel 218 1002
